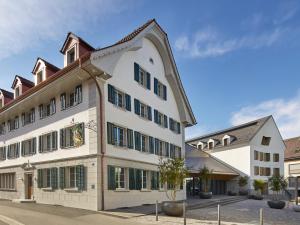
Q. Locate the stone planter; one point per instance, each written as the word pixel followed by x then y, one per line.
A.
pixel 173 208
pixel 296 208
pixel 243 192
pixel 276 204
pixel 230 193
pixel 257 197
pixel 205 195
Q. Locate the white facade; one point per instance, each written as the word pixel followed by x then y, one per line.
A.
pixel 151 51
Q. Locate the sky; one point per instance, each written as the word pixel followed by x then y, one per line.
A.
pixel 238 60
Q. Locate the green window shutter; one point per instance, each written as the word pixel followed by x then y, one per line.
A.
pixel 178 128
pixel 128 102
pixel 22 148
pixel 165 121
pixel 151 145
pixel 40 144
pixel 137 107
pixel 152 181
pixel 111 93
pixel 165 92
pixel 54 140
pixel 138 174
pixel 132 183
pixel 54 178
pixel 130 138
pixel 156 141
pixel 155 116
pixel 137 138
pixel 80 177
pixel 62 177
pixel 40 178
pixel 136 72
pixel 62 138
pixel 148 81
pixel 167 154
pixel 155 85
pixel 34 145
pixel 149 113
pixel 111 178
pixel 110 134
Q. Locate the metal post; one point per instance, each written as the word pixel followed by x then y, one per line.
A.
pixel 261 217
pixel 219 215
pixel 296 191
pixel 156 210
pixel 184 213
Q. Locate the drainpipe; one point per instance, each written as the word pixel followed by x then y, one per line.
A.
pixel 100 133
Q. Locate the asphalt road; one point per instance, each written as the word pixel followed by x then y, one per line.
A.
pixel 39 214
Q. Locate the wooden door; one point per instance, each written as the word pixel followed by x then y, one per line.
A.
pixel 29 186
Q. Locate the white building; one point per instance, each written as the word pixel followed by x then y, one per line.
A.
pixel 255 149
pixel 61 143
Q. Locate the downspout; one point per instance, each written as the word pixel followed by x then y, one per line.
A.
pixel 100 133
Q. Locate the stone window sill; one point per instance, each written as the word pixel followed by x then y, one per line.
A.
pixel 5 189
pixel 71 189
pixel 47 189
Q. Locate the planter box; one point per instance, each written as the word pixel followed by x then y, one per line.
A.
pixel 205 195
pixel 276 204
pixel 296 208
pixel 173 208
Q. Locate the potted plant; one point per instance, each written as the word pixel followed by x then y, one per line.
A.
pixel 172 172
pixel 277 183
pixel 243 181
pixel 205 174
pixel 258 187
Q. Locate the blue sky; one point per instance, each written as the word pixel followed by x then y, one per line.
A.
pixel 238 60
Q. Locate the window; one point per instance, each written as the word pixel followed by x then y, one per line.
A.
pixel 276 171
pixel 225 141
pixel 73 177
pixel 144 179
pixel 174 126
pixel 210 145
pixel 13 124
pixel 267 157
pixel 119 136
pixel 275 157
pixel 7 181
pixel 17 92
pixel 160 89
pixel 292 181
pixel 119 98
pixel 266 140
pixel 154 180
pixel 256 155
pixel 261 156
pixel 160 119
pixel 13 151
pixel 28 117
pixel 72 136
pixel 39 76
pixel 2 153
pixel 71 56
pixel 294 168
pixel 256 170
pixel 264 171
pixel 72 99
pixel 28 147
pixel 47 109
pixel 2 128
pixel 120 177
pixel 175 151
pixel 160 148
pixel 142 77
pixel 48 142
pixel 142 110
pixel 47 178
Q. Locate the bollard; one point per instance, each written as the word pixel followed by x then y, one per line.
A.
pixel 261 217
pixel 156 210
pixel 219 215
pixel 184 213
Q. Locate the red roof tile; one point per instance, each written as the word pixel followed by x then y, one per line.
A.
pixel 292 150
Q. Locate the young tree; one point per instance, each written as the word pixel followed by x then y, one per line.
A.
pixel 243 181
pixel 277 183
pixel 172 172
pixel 259 186
pixel 206 174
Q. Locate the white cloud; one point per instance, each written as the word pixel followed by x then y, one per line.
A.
pixel 285 112
pixel 209 43
pixel 24 23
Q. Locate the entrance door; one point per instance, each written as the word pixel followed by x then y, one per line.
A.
pixel 29 186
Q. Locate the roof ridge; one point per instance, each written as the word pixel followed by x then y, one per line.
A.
pixel 229 129
pixel 291 138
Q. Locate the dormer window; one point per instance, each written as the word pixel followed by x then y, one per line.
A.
pixel 17 92
pixel 40 76
pixel 1 103
pixel 266 140
pixel 225 141
pixel 201 145
pixel 210 145
pixel 71 55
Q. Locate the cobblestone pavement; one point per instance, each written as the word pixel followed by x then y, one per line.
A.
pixel 245 212
pixel 248 212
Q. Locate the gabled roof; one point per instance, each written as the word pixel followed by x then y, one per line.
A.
pixel 23 80
pixel 241 134
pixel 292 151
pixel 134 35
pixel 79 39
pixel 47 64
pixel 7 94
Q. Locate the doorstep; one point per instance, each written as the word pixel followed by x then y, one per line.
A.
pixel 23 201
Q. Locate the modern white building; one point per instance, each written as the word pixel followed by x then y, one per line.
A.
pixel 255 149
pixel 90 135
